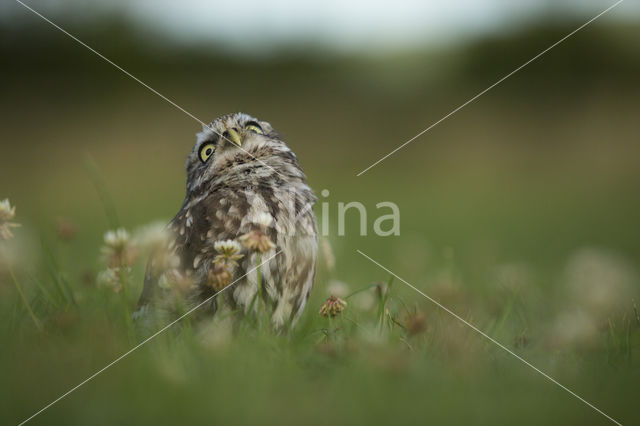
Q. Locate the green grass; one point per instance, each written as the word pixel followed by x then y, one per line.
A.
pixel 398 359
pixel 490 241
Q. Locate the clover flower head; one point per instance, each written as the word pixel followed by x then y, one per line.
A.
pixel 7 213
pixel 227 247
pixel 337 288
pixel 177 280
pixel 116 239
pixel 257 240
pixel 263 219
pixel 110 278
pixel 332 307
pixel 229 253
pixel 118 249
pixel 155 240
pixel 152 237
pixel 219 276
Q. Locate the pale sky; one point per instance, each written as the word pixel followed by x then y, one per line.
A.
pixel 337 24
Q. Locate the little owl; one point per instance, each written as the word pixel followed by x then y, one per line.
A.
pixel 243 181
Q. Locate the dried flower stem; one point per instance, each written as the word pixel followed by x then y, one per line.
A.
pixel 259 279
pixel 331 329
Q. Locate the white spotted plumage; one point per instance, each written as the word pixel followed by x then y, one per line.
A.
pixel 257 184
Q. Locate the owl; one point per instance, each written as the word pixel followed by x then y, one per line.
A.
pixel 239 172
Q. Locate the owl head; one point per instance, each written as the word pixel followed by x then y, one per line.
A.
pixel 234 145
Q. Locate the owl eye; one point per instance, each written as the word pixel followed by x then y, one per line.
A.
pixel 254 127
pixel 206 151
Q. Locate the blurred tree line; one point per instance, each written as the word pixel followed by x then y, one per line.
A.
pixel 601 55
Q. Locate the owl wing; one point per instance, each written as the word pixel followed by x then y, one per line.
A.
pixel 297 266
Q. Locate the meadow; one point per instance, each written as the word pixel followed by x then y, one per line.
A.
pixel 519 214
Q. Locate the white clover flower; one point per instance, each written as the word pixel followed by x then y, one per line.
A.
pixel 338 288
pixel 229 254
pixel 118 250
pixel 575 327
pixel 152 236
pixel 263 219
pixel 227 247
pixel 7 213
pixel 156 241
pixel 109 278
pixel 116 239
pixel 257 240
pixel 600 281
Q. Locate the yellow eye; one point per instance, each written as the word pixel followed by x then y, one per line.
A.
pixel 206 151
pixel 254 127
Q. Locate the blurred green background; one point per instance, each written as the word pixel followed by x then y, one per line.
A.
pixel 539 169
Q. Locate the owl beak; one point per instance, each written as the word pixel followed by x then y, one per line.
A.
pixel 233 136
